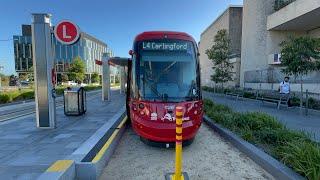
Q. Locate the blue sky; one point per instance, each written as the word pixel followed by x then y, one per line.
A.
pixel 115 22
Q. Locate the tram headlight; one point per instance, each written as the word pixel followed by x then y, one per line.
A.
pixel 141 106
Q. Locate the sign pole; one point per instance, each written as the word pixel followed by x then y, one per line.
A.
pixel 43 64
pixel 122 79
pixel 105 77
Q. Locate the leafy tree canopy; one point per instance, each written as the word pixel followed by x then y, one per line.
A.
pixel 64 78
pixel 219 54
pixel 300 55
pixel 95 77
pixel 77 70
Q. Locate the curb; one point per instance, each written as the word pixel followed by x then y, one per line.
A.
pixel 61 169
pixel 88 161
pixel 93 169
pixel 268 163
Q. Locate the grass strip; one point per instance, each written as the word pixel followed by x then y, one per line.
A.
pixel 293 148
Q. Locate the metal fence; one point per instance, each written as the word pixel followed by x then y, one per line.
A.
pixel 273 75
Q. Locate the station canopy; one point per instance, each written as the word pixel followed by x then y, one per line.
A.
pixel 119 61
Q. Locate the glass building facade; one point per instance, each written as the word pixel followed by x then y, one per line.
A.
pixel 87 48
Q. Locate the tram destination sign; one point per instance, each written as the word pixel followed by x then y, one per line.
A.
pixel 165 46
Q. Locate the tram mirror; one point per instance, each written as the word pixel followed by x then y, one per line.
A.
pixel 131 52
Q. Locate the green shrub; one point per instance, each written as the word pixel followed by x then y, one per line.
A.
pixel 313 104
pixel 249 95
pixel 247 135
pixel 279 137
pixel 221 108
pixel 60 90
pixel 227 90
pixel 23 96
pixel 208 103
pixel 295 101
pixel 303 157
pixel 267 133
pixel 90 88
pixel 207 88
pixel 4 98
pixel 256 121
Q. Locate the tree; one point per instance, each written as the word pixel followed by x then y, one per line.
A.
pixel 219 53
pixel 95 77
pixel 300 56
pixel 23 77
pixel 77 70
pixel 64 78
pixel 4 80
pixel 30 75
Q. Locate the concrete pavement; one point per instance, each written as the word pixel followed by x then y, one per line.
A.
pixel 288 116
pixel 25 151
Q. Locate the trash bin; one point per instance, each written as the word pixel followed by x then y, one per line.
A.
pixel 74 101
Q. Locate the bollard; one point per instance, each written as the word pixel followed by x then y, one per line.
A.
pixel 178 175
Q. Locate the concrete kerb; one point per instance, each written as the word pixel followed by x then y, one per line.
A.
pixel 268 163
pixel 81 164
pixel 93 169
pixel 61 169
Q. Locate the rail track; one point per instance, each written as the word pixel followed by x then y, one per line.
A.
pixel 17 112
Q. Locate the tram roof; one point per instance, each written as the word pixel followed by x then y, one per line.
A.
pixel 162 35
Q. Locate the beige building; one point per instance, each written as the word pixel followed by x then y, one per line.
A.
pixel 265 26
pixel 231 20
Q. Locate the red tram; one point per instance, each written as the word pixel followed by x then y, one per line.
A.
pixel 164 73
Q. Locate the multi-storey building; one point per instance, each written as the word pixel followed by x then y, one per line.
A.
pixel 230 20
pixel 265 25
pixel 87 48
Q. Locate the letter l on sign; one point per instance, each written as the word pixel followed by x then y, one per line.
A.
pixel 64 32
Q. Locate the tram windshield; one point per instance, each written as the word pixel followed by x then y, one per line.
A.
pixel 167 71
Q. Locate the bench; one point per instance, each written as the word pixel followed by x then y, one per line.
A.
pixel 235 92
pixel 274 97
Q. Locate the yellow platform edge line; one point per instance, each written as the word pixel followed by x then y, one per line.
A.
pixel 60 165
pixel 107 144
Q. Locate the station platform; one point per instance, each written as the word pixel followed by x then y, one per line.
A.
pixel 26 151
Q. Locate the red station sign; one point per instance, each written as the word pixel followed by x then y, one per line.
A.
pixel 67 32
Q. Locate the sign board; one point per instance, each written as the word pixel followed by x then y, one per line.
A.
pixel 98 62
pixel 165 46
pixel 67 32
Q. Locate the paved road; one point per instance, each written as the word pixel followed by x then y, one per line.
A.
pixel 26 152
pixel 209 157
pixel 289 117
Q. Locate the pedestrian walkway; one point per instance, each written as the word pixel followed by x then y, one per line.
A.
pixel 26 152
pixel 288 116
